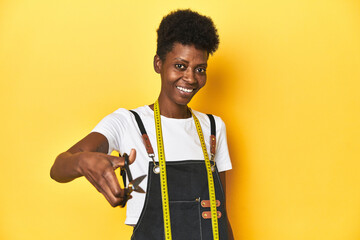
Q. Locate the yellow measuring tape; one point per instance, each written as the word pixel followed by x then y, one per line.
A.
pixel 212 196
pixel 163 179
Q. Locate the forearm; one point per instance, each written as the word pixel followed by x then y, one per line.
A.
pixel 67 165
pixel 97 167
pixel 65 168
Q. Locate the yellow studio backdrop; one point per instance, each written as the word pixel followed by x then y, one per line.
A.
pixel 285 80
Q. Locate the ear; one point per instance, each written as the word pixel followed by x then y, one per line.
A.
pixel 157 64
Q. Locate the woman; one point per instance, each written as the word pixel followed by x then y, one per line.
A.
pixel 185 40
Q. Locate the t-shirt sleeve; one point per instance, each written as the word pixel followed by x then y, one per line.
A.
pixel 222 157
pixel 113 126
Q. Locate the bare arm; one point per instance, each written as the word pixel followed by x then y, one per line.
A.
pixel 88 158
pixel 223 181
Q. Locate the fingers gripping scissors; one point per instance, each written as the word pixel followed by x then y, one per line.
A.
pixel 133 183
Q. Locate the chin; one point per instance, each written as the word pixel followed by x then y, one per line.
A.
pixel 183 102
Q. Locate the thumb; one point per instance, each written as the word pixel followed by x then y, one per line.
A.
pixel 120 161
pixel 132 156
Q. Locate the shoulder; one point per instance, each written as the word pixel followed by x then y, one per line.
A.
pixel 204 118
pixel 120 115
pixel 125 114
pixel 143 111
pixel 121 118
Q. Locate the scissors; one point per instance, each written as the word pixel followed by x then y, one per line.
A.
pixel 133 183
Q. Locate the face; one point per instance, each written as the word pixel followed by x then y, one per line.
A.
pixel 183 73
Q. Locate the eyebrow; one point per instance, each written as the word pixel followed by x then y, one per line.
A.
pixel 183 60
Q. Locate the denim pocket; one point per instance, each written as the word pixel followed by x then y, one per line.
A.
pixel 185 220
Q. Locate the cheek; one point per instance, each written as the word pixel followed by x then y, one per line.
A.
pixel 202 82
pixel 174 75
pixel 171 76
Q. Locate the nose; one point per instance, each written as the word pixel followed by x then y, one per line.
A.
pixel 189 76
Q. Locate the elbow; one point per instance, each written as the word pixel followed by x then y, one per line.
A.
pixel 55 170
pixel 60 169
pixel 56 177
pixel 53 173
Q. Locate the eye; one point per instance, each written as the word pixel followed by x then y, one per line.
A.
pixel 180 66
pixel 201 70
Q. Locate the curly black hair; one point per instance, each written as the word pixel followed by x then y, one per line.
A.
pixel 188 28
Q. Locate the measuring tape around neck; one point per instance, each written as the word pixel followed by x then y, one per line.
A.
pixel 163 178
pixel 212 195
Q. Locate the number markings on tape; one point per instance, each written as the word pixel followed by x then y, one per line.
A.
pixel 163 178
pixel 212 195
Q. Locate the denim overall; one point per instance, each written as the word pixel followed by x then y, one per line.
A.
pixel 188 200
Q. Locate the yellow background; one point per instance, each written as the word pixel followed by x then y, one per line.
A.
pixel 285 80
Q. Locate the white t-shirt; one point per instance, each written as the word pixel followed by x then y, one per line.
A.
pixel 181 142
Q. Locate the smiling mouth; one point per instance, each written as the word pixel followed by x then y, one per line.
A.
pixel 187 90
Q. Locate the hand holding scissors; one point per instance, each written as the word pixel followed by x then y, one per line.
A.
pixel 133 183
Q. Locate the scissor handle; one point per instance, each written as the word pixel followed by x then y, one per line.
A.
pixel 126 166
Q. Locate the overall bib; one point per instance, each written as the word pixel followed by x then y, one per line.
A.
pixel 189 202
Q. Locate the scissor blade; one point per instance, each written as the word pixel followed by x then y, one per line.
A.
pixel 139 189
pixel 136 182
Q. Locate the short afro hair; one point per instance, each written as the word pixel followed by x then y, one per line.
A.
pixel 188 28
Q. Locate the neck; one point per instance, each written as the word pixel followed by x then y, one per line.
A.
pixel 172 110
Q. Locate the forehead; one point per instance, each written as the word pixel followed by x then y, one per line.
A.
pixel 187 53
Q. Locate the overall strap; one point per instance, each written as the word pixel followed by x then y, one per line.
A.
pixel 144 135
pixel 212 136
pixel 212 124
pixel 146 140
pixel 139 122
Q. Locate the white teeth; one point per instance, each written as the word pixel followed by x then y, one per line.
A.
pixel 185 89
